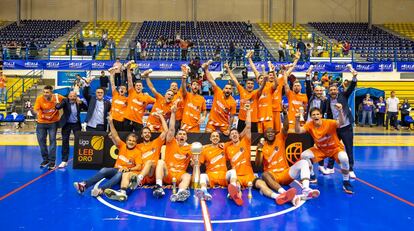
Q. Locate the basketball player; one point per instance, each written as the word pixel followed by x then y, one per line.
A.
pixel 237 151
pixel 129 159
pixel 161 106
pixel 271 154
pixel 150 154
pixel 323 132
pixel 178 96
pixel 175 163
pixel 224 106
pixel 137 102
pixel 119 102
pixel 194 105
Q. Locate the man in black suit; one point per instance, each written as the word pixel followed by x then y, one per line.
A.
pixel 70 121
pixel 346 131
pixel 98 109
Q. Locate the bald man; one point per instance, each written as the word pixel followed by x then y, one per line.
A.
pixel 70 121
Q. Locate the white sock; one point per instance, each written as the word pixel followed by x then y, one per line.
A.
pixel 346 176
pixel 305 184
pixel 158 182
pixel 281 190
pixel 274 195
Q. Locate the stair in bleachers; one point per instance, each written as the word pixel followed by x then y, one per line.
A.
pixel 58 47
pixel 129 35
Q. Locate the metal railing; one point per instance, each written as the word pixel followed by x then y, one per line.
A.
pixel 22 85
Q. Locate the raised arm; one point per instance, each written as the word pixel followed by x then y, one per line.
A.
pixel 231 74
pixel 252 66
pixel 129 78
pixel 272 69
pixel 114 134
pixel 150 85
pixel 353 84
pixel 209 77
pixel 261 86
pixel 295 62
pixel 341 119
pixel 184 69
pixel 308 84
pixel 247 130
pixel 171 128
pixel 164 125
pixel 112 79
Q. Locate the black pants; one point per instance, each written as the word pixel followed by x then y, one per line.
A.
pixel 66 129
pixel 118 79
pixel 380 119
pixel 392 119
pixel 241 124
pixel 132 126
pixel 346 134
pixel 99 127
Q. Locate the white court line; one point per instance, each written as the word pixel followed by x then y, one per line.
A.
pixel 195 221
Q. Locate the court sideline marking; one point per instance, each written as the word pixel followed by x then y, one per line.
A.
pixel 30 182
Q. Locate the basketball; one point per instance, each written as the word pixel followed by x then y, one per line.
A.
pixel 97 142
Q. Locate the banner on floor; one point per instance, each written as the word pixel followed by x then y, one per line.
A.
pixel 95 150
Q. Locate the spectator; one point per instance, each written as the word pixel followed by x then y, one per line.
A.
pixel 249 27
pixel 104 38
pixel 315 80
pixel 380 110
pixel 392 111
pixel 144 46
pixel 132 45
pixel 281 51
pixel 3 88
pixel 118 70
pixel 238 53
pixel 367 108
pixel 245 76
pixel 184 44
pixel 256 55
pixel 68 48
pixel 138 50
pixel 103 81
pixel 80 47
pixel 346 48
pixel 217 54
pixel 89 49
pixel 302 48
pixel 405 111
pixel 287 51
pixel 28 107
pixel 111 48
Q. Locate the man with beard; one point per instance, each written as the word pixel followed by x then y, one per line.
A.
pixel 224 106
pixel 175 163
pixel 271 154
pixel 161 106
pixel 237 151
pixel 119 102
pixel 194 105
pixel 137 103
pixel 323 132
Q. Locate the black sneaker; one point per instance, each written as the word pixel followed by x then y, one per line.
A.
pixel 313 179
pixel 158 192
pixel 347 187
pixel 44 164
pixel 51 166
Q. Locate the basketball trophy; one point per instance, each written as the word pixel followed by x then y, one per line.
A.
pixel 249 195
pixel 195 151
pixel 302 118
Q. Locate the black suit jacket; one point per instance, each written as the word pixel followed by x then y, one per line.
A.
pixel 343 99
pixel 67 110
pixel 92 103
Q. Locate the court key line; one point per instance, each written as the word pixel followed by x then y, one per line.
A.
pixel 30 182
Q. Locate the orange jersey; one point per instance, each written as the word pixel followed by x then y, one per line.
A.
pixel 127 158
pixel 265 103
pixel 251 98
pixel 137 102
pixel 274 156
pixel 295 102
pixel 277 95
pixel 151 150
pixel 222 108
pixel 119 106
pixel 180 105
pixel 239 156
pixel 162 107
pixel 214 159
pixel 177 157
pixel 194 105
pixel 325 137
pixel 47 113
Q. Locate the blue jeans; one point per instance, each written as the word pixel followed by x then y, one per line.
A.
pixel 112 175
pixel 364 115
pixel 42 130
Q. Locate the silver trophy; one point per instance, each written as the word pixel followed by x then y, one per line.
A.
pixel 302 112
pixel 196 148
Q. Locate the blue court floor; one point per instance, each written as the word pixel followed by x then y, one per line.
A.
pixel 383 200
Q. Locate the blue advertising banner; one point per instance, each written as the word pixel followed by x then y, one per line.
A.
pixel 66 78
pixel 405 66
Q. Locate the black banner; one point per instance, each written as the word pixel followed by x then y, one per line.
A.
pixel 94 150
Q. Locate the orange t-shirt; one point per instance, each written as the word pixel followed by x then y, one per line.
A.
pixel 248 97
pixel 194 105
pixel 47 113
pixel 222 108
pixel 119 106
pixel 161 106
pixel 239 156
pixel 277 96
pixel 137 102
pixel 274 157
pixel 177 157
pixel 325 137
pixel 3 81
pixel 214 159
pixel 180 105
pixel 265 103
pixel 295 102
pixel 151 150
pixel 127 158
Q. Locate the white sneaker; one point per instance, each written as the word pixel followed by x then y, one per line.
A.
pixel 96 192
pixel 296 200
pixel 322 169
pixel 63 164
pixel 115 195
pixel 329 171
pixel 309 193
pixel 352 174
